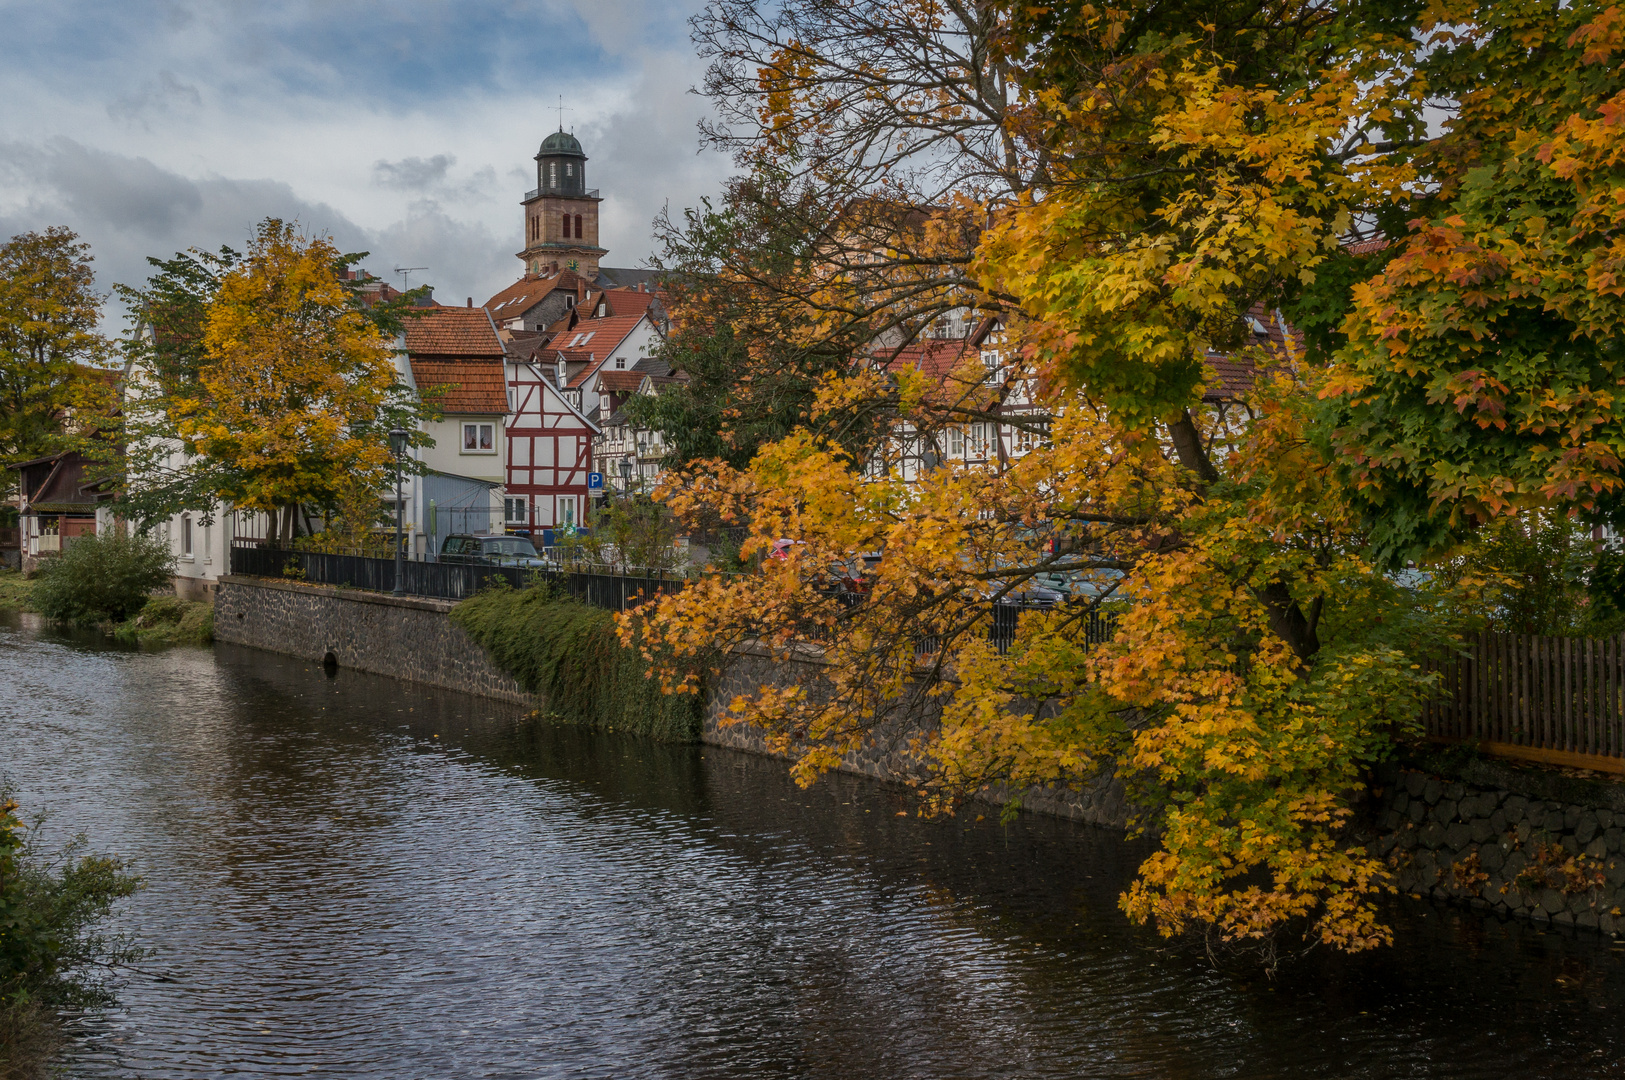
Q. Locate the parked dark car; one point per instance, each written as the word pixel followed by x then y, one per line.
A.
pixel 492 551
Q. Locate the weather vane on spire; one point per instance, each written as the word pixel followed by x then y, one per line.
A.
pixel 562 110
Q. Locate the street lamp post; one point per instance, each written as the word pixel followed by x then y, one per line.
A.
pixel 397 446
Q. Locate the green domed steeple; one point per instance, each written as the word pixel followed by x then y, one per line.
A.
pixel 561 166
pixel 560 142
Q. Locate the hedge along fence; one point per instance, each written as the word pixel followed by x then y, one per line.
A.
pixel 568 654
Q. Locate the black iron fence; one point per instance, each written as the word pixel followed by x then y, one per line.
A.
pixel 1097 628
pixel 442 580
pixel 448 579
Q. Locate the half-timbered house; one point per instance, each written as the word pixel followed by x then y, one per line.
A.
pixel 549 449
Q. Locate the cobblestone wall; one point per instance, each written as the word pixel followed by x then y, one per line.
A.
pixel 890 755
pixel 406 637
pixel 1496 846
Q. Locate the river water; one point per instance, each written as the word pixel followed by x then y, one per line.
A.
pixel 354 877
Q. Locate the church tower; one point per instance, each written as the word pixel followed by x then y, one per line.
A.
pixel 561 215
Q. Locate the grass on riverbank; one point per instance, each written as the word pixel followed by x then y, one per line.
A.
pixel 168 620
pixel 16 592
pixel 568 654
pixel 165 620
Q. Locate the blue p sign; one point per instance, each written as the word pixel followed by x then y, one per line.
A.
pixel 595 481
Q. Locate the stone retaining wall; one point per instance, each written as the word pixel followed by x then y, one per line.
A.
pixel 1524 842
pixel 406 637
pixel 890 755
pixel 1500 844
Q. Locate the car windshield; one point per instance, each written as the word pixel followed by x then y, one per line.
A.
pixel 507 545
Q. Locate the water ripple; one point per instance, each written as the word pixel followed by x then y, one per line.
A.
pixel 355 877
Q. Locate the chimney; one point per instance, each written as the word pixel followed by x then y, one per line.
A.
pixel 470 301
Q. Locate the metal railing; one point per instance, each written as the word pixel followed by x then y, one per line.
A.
pixel 442 579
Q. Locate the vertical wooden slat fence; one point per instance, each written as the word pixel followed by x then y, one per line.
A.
pixel 1556 700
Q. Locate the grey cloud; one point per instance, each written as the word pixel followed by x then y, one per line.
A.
pixel 165 94
pixel 413 173
pixel 432 178
pixel 128 208
pixel 647 155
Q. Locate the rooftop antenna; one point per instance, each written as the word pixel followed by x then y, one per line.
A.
pixel 406 276
pixel 561 111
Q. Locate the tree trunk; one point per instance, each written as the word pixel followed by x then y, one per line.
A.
pixel 1285 614
pixel 1188 446
pixel 271 522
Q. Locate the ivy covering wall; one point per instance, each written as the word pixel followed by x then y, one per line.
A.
pixel 567 654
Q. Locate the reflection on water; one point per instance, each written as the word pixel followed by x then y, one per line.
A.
pixel 355 877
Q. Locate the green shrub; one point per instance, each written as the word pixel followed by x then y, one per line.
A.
pixel 101 578
pixel 567 653
pixel 52 953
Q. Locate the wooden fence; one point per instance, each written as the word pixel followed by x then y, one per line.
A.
pixel 1555 700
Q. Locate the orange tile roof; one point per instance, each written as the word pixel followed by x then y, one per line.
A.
pixel 452 331
pixel 462 386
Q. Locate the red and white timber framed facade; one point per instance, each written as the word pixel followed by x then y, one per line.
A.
pixel 549 452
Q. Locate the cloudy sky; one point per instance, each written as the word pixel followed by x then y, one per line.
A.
pixel 405 128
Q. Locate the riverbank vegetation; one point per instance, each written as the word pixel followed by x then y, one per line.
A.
pixel 103 578
pixel 110 587
pixel 1262 308
pixel 54 954
pixel 570 656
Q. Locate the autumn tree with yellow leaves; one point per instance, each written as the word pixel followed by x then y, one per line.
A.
pixel 1170 172
pixel 263 380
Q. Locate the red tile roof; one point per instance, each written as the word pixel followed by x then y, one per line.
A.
pixel 452 331
pixel 620 382
pixel 628 301
pixel 597 339
pixel 1230 378
pixel 936 358
pixel 1366 247
pixel 463 386
pixel 529 291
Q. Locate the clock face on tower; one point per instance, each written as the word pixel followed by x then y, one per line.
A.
pixel 574 264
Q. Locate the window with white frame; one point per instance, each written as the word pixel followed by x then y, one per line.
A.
pixel 956 442
pixel 479 439
pixel 620 363
pixel 565 514
pixel 186 536
pixel 990 363
pixel 516 510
